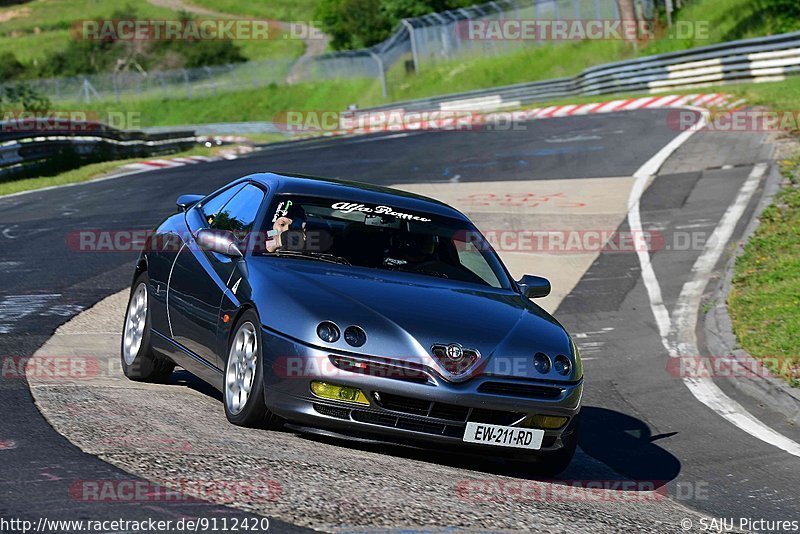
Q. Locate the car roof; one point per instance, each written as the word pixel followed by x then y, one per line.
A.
pixel 350 191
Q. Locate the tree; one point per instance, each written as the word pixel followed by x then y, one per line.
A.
pixel 361 23
pixel 627 13
pixel 353 23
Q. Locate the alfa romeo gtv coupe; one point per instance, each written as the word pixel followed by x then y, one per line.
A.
pixel 360 310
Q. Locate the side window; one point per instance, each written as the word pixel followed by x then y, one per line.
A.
pixel 213 206
pixel 470 257
pixel 239 214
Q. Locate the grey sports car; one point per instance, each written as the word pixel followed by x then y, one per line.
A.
pixel 356 309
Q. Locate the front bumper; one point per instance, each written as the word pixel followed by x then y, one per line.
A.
pixel 430 410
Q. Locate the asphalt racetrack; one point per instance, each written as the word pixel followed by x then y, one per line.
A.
pixel 643 422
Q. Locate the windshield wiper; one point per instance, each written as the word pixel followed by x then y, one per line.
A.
pixel 332 258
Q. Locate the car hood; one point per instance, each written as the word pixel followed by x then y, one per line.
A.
pixel 404 315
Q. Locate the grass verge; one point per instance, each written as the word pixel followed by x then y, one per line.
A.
pixel 764 302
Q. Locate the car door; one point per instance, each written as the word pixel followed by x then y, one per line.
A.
pixel 200 277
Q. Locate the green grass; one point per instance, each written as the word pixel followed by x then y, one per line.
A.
pixel 261 104
pixel 725 20
pixel 779 96
pixel 42 27
pixel 85 173
pixel 764 301
pixel 524 65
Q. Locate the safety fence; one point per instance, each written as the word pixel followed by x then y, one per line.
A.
pixel 416 42
pixel 762 59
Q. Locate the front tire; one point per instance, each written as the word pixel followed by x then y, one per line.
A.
pixel 139 362
pixel 244 377
pixel 552 464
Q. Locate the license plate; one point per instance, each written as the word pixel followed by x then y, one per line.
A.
pixel 504 436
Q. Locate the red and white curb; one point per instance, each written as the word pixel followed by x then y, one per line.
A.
pixel 398 120
pixel 709 100
pixel 154 164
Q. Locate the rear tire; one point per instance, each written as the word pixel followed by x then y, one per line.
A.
pixel 139 362
pixel 243 387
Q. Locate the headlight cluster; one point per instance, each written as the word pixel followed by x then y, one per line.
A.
pixel 561 364
pixel 329 332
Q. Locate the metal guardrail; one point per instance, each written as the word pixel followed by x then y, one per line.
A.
pixel 22 153
pixel 748 60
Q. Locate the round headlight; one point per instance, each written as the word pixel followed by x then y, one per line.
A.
pixel 562 365
pixel 328 332
pixel 355 336
pixel 541 362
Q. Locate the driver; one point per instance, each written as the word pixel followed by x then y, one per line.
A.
pixel 414 249
pixel 289 218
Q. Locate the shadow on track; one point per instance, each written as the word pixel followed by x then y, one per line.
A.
pixel 623 443
pixel 626 445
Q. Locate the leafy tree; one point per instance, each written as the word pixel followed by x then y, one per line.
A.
pixel 402 9
pixel 22 96
pixel 353 23
pixel 360 23
pixel 90 56
pixel 10 67
pixel 783 15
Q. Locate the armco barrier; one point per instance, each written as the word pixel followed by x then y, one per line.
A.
pixel 25 152
pixel 748 60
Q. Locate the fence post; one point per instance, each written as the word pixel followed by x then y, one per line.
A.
pixel 378 59
pixel 115 84
pixel 414 53
pixel 87 90
pixel 186 83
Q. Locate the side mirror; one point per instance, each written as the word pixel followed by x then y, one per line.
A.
pixel 185 202
pixel 219 241
pixel 534 286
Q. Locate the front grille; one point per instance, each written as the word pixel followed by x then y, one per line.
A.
pixel 449 412
pixel 332 411
pixel 455 367
pixel 383 368
pixel 406 423
pixel 494 417
pixel 399 403
pixel 528 391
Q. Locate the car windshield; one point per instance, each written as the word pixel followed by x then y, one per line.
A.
pixel 380 237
